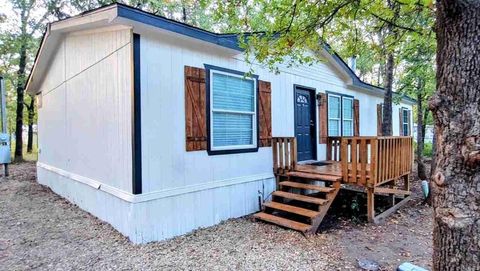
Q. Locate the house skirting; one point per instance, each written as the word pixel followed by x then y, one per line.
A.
pixel 161 214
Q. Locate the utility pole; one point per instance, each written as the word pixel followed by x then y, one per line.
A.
pixel 5 155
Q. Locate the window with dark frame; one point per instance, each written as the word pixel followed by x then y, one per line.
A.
pixel 340 115
pixel 406 122
pixel 232 111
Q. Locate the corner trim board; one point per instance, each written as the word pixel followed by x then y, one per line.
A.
pixel 136 120
pixel 165 193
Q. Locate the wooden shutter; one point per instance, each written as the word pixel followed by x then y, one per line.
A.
pixel 379 119
pixel 195 109
pixel 323 117
pixel 265 113
pixel 356 117
pixel 400 118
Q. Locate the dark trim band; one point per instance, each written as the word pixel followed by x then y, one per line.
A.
pixel 137 120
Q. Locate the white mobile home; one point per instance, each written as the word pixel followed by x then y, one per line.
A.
pixel 151 125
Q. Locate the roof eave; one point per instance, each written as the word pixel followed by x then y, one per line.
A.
pixel 97 17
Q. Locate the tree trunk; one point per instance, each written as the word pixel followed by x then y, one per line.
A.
pixel 455 106
pixel 422 175
pixel 424 124
pixel 20 100
pixel 31 115
pixel 387 99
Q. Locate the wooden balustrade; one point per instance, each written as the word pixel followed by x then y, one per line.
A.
pixel 284 154
pixel 333 148
pixel 372 161
pixel 365 160
pixel 395 158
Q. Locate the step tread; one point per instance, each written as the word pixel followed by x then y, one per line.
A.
pixel 294 225
pixel 307 186
pixel 291 209
pixel 314 176
pixel 298 197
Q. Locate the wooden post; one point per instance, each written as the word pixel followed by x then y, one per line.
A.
pixel 294 153
pixel 370 205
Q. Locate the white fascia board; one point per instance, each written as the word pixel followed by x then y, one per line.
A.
pixel 90 20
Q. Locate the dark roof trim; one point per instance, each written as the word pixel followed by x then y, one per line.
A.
pixel 230 41
pixel 225 40
pixel 355 80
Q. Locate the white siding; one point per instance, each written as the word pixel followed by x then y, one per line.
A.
pixel 85 132
pixel 166 164
pixel 85 121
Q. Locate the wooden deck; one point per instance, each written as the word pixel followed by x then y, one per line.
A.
pixel 376 165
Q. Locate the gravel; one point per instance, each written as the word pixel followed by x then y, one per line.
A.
pixel 40 230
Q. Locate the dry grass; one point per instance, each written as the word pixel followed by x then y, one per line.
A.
pixel 40 230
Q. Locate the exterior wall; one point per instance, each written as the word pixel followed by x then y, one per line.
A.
pixel 163 58
pixel 84 122
pixel 85 132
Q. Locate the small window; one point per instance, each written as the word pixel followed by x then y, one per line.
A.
pixel 334 117
pixel 233 111
pixel 347 122
pixel 406 122
pixel 340 115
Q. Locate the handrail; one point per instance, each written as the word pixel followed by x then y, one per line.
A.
pixel 284 154
pixel 372 161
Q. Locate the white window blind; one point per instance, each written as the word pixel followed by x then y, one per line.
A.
pixel 233 111
pixel 334 116
pixel 347 125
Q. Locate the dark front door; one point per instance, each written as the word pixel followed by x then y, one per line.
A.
pixel 305 123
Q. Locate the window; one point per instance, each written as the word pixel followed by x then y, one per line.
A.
pixel 340 115
pixel 406 122
pixel 233 111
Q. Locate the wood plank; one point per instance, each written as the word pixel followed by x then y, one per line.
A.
pixel 370 205
pixel 363 161
pixel 298 197
pixel 313 176
pixel 373 162
pixel 353 154
pixel 293 153
pixel 344 158
pixel 391 191
pixel 287 223
pixel 307 186
pixel 281 164
pixel 379 218
pixel 287 153
pixel 275 154
pixel 291 209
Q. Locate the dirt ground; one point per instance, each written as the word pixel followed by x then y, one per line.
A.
pixel 40 230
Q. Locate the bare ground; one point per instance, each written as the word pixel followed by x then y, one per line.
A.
pixel 40 230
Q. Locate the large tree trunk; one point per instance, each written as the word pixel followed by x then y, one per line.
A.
pixel 456 178
pixel 20 100
pixel 422 175
pixel 31 115
pixel 387 99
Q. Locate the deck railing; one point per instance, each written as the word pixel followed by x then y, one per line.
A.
pixel 365 160
pixel 372 161
pixel 284 154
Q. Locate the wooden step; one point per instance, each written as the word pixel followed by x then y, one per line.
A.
pixel 298 197
pixel 313 176
pixel 308 186
pixel 291 209
pixel 287 223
